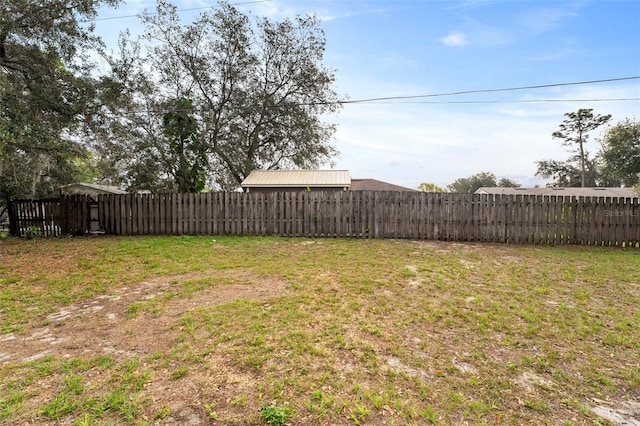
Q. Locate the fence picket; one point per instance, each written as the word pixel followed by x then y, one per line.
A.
pixel 356 214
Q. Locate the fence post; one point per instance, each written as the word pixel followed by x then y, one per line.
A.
pixel 13 218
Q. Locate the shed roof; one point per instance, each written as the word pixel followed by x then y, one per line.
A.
pixel 92 188
pixel 375 185
pixel 568 192
pixel 297 178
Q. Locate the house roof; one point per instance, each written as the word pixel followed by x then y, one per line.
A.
pixel 569 192
pixel 375 185
pixel 92 188
pixel 297 178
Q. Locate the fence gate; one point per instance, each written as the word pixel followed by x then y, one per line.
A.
pixel 69 215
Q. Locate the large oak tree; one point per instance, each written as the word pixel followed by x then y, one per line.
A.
pixel 46 92
pixel 258 90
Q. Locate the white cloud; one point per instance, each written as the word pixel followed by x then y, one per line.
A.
pixel 346 15
pixel 547 18
pixel 410 145
pixel 272 10
pixel 455 39
pixel 407 144
pixel 473 4
pixel 325 11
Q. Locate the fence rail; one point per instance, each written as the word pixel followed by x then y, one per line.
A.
pixel 50 217
pixel 355 214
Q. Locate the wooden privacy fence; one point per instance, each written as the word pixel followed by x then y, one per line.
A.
pixel 378 214
pixel 353 214
pixel 69 215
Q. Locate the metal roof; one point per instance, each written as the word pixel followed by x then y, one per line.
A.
pixel 568 192
pixel 110 189
pixel 297 178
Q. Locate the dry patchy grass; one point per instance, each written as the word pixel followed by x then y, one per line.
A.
pixel 202 330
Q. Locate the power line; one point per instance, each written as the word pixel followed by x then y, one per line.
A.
pixel 182 10
pixel 468 92
pixel 385 100
pixel 523 101
pixel 164 111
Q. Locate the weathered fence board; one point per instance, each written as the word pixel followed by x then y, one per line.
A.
pixel 354 214
pixel 50 217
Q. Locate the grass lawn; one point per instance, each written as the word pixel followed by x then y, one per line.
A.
pixel 255 331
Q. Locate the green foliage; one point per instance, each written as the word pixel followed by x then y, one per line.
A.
pixel 430 187
pixel 274 415
pixel 247 95
pixel 181 372
pixel 210 408
pixel 574 132
pixel 11 401
pixel 567 173
pixel 320 403
pixel 471 184
pixel 31 233
pixel 257 92
pixel 621 151
pixel 46 91
pixel 508 183
pixel 186 157
pixel 617 163
pixel 538 405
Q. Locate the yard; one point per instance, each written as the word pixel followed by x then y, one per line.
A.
pixel 261 330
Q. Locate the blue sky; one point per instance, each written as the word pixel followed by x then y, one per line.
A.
pixel 420 47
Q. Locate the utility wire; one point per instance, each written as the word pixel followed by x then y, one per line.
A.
pixel 391 100
pixel 523 101
pixel 196 110
pixel 468 92
pixel 110 18
pixel 433 95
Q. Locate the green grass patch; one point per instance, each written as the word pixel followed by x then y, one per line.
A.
pixel 279 330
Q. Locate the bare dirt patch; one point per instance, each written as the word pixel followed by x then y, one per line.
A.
pixel 368 333
pixel 102 325
pixel 623 413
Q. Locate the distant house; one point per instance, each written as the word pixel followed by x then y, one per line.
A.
pixel 296 180
pixel 376 185
pixel 567 192
pixel 312 180
pixel 90 189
